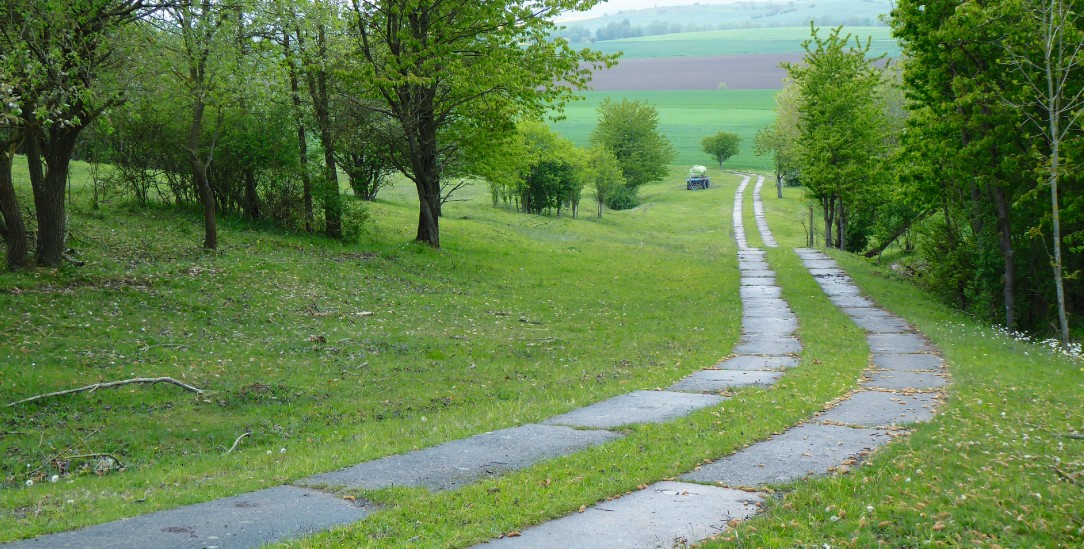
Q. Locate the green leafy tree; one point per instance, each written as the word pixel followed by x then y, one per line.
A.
pixel 780 139
pixel 455 74
pixel 56 61
pixel 1053 74
pixel 603 174
pixel 840 125
pixel 967 156
pixel 630 130
pixel 721 146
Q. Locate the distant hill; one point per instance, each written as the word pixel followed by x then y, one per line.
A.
pixel 776 40
pixel 737 15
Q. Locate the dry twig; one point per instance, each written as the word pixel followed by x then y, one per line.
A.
pixel 236 442
pixel 105 385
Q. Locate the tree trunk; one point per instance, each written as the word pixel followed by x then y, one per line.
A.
pixel 778 185
pixel 426 168
pixel 1055 212
pixel 841 224
pixel 48 185
pixel 199 177
pixel 302 143
pixel 826 203
pixel 321 102
pixel 252 200
pixel 1004 229
pixel 14 226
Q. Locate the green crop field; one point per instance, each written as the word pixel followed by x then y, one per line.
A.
pixel 739 42
pixel 686 117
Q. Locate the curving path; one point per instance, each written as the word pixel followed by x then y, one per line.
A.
pixel 902 387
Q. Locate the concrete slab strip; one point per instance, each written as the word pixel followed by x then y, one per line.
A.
pixel 910 362
pixel 636 407
pixel 802 451
pixel 897 343
pixel 710 381
pixel 665 514
pixel 881 409
pixel 753 362
pixel 461 462
pixel 888 379
pixel 247 520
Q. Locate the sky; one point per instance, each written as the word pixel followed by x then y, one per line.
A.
pixel 614 6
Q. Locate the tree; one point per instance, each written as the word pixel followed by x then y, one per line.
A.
pixel 455 74
pixel 199 41
pixel 55 56
pixel 1053 84
pixel 780 139
pixel 12 226
pixel 313 48
pixel 968 158
pixel 603 174
pixel 630 130
pixel 840 124
pixel 721 146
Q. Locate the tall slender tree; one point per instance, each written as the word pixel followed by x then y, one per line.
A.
pixel 1053 73
pixel 840 124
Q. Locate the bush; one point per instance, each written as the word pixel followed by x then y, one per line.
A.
pixel 355 219
pixel 622 198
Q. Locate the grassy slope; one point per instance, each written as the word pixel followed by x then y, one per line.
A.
pixel 739 42
pixel 518 318
pixel 526 317
pixel 686 117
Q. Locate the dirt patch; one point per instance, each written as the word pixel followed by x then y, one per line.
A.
pixel 734 72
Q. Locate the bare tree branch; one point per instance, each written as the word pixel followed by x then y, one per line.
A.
pixel 110 384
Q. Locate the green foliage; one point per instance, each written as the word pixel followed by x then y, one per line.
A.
pixel 460 76
pixel 630 130
pixel 603 174
pixel 840 129
pixel 622 198
pixel 721 146
pixel 355 220
pixel 975 156
pixel 536 171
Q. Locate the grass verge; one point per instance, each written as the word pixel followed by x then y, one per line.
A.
pixel 1002 464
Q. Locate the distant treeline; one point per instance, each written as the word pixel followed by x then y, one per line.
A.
pixel 580 34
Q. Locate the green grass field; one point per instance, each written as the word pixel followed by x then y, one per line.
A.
pixel 686 117
pixel 740 42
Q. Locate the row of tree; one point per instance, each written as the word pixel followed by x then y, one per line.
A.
pixel 966 149
pixel 257 105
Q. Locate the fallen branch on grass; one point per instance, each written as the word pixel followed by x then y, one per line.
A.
pixel 106 385
pixel 238 441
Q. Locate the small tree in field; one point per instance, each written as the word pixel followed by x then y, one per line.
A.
pixel 721 146
pixel 603 174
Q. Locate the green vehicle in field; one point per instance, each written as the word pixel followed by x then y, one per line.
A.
pixel 698 178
